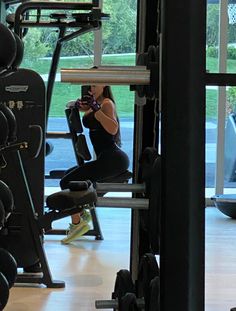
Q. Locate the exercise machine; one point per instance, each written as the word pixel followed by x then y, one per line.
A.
pixel 28 222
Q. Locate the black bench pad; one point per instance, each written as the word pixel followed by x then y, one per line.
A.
pixel 67 199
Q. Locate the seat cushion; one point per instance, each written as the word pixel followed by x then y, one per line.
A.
pixel 66 199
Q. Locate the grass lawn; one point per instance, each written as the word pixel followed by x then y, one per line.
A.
pixel 63 92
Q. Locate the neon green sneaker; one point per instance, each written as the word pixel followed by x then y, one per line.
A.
pixel 86 216
pixel 76 231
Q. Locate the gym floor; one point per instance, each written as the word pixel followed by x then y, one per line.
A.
pixel 89 267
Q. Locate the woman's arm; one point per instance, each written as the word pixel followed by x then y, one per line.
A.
pixel 107 117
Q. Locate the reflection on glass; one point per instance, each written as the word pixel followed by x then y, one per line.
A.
pixel 211 135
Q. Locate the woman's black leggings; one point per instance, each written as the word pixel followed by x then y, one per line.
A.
pixel 109 163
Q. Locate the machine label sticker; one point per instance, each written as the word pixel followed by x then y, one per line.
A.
pixel 16 88
pixel 15 104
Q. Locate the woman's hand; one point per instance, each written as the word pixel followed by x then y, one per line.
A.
pixel 90 101
pixel 79 104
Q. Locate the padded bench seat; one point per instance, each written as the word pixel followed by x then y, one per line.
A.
pixel 79 194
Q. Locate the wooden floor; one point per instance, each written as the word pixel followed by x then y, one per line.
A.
pixel 220 261
pixel 89 267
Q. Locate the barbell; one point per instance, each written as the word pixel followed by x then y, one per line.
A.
pixel 143 78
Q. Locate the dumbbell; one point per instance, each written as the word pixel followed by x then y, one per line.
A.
pixel 123 296
pixel 2 215
pixel 11 52
pixel 9 128
pixel 6 198
pixel 129 301
pixel 143 295
pixel 4 130
pixel 8 273
pixel 11 121
pixel 8 266
pixel 4 291
pixel 7 50
pixel 148 270
pixel 19 52
pixel 6 203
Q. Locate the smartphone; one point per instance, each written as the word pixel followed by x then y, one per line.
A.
pixel 85 90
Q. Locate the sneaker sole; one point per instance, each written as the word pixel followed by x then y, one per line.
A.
pixel 76 235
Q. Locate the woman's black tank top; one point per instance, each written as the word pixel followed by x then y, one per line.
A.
pixel 100 138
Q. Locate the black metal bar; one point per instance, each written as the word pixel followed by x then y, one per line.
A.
pixel 183 155
pixel 84 20
pixel 221 79
pixel 49 5
pixel 72 35
pixel 55 135
pixel 64 232
pixel 55 60
pixel 57 24
pixel 35 231
pixel 218 1
pixel 45 221
pixel 11 2
pixel 53 69
pixel 74 135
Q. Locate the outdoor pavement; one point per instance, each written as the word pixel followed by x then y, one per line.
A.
pixel 63 157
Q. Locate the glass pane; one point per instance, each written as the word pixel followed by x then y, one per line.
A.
pixel 230 141
pixel 231 48
pixel 211 136
pixel 212 66
pixel 118 48
pixel 212 34
pixel 230 104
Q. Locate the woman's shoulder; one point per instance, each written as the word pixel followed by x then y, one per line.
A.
pixel 107 102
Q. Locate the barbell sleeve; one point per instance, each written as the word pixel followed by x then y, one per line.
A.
pixel 120 187
pixel 114 304
pixel 134 203
pixel 113 76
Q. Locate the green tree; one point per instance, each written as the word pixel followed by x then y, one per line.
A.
pixel 119 32
pixel 34 47
pixel 212 24
pixel 231 99
pixel 82 45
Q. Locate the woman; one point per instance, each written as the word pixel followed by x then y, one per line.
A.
pixel 101 119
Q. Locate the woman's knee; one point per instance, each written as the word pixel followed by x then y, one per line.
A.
pixel 63 184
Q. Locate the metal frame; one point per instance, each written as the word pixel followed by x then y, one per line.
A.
pixel 183 155
pixel 220 146
pixel 20 26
